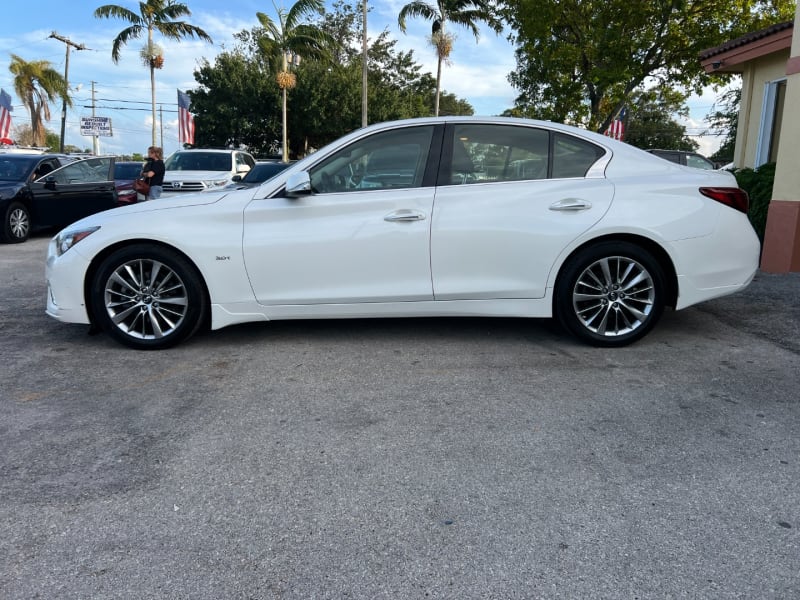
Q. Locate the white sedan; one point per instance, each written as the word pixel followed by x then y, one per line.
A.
pixel 459 216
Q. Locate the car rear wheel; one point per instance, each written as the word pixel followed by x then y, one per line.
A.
pixel 148 298
pixel 610 294
pixel 16 223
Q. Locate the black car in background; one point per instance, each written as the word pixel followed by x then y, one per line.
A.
pixel 124 174
pixel 685 158
pixel 257 175
pixel 48 190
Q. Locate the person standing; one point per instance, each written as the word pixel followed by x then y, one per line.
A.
pixel 153 171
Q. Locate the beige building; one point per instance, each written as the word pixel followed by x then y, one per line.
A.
pixel 769 127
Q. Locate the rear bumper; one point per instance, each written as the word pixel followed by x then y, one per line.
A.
pixel 728 261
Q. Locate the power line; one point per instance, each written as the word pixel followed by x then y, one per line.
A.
pixel 124 108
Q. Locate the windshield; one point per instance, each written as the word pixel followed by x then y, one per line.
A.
pixel 16 168
pixel 199 161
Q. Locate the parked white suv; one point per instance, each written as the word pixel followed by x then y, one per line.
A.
pixel 202 169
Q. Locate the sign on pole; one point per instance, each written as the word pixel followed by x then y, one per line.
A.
pixel 96 126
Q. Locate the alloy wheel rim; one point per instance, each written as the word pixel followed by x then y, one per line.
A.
pixel 146 299
pixel 19 223
pixel 614 296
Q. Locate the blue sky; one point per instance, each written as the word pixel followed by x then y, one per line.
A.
pixel 122 91
pixel 478 71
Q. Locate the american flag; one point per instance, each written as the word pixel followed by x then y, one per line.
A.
pixel 5 116
pixel 616 129
pixel 185 120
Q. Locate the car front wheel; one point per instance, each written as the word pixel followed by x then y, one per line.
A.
pixel 16 223
pixel 148 298
pixel 610 294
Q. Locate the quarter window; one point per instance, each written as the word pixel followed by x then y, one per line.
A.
pixel 244 160
pixel 573 157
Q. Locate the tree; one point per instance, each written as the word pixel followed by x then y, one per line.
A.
pixel 651 122
pixel 452 105
pixel 154 15
pixel 580 61
pixel 38 84
pixel 288 38
pixel 725 117
pixel 237 102
pixel 467 13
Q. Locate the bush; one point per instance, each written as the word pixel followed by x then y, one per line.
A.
pixel 758 184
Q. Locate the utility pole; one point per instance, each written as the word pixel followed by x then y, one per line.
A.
pixel 95 139
pixel 70 44
pixel 364 71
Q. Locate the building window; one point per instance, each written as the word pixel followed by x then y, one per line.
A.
pixel 771 121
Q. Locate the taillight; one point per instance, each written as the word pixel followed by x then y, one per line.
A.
pixel 733 197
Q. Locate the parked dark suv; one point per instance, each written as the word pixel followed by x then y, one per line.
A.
pixel 685 158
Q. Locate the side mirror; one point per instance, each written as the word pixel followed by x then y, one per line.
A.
pixel 298 184
pixel 236 178
pixel 50 183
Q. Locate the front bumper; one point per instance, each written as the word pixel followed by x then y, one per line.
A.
pixel 65 275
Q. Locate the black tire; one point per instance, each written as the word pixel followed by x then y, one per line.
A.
pixel 610 294
pixel 148 297
pixel 16 223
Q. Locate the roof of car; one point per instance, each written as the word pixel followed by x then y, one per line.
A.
pixel 32 154
pixel 225 150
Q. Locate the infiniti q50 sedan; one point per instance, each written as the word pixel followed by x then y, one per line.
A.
pixel 460 216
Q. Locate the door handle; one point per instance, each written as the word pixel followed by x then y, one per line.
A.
pixel 404 216
pixel 571 205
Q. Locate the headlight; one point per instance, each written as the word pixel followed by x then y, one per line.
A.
pixel 67 239
pixel 212 183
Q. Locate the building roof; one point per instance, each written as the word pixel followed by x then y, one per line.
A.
pixel 728 56
pixel 748 38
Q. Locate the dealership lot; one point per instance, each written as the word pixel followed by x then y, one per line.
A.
pixel 442 458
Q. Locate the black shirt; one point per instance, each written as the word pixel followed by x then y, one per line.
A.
pixel 157 167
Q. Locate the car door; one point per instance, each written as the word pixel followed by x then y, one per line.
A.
pixel 363 235
pixel 74 191
pixel 510 199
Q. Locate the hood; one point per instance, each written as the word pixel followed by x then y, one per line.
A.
pixel 9 189
pixel 152 206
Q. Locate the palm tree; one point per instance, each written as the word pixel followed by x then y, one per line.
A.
pixel 38 84
pixel 286 41
pixel 467 13
pixel 154 15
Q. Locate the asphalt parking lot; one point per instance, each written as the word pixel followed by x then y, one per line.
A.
pixel 400 459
